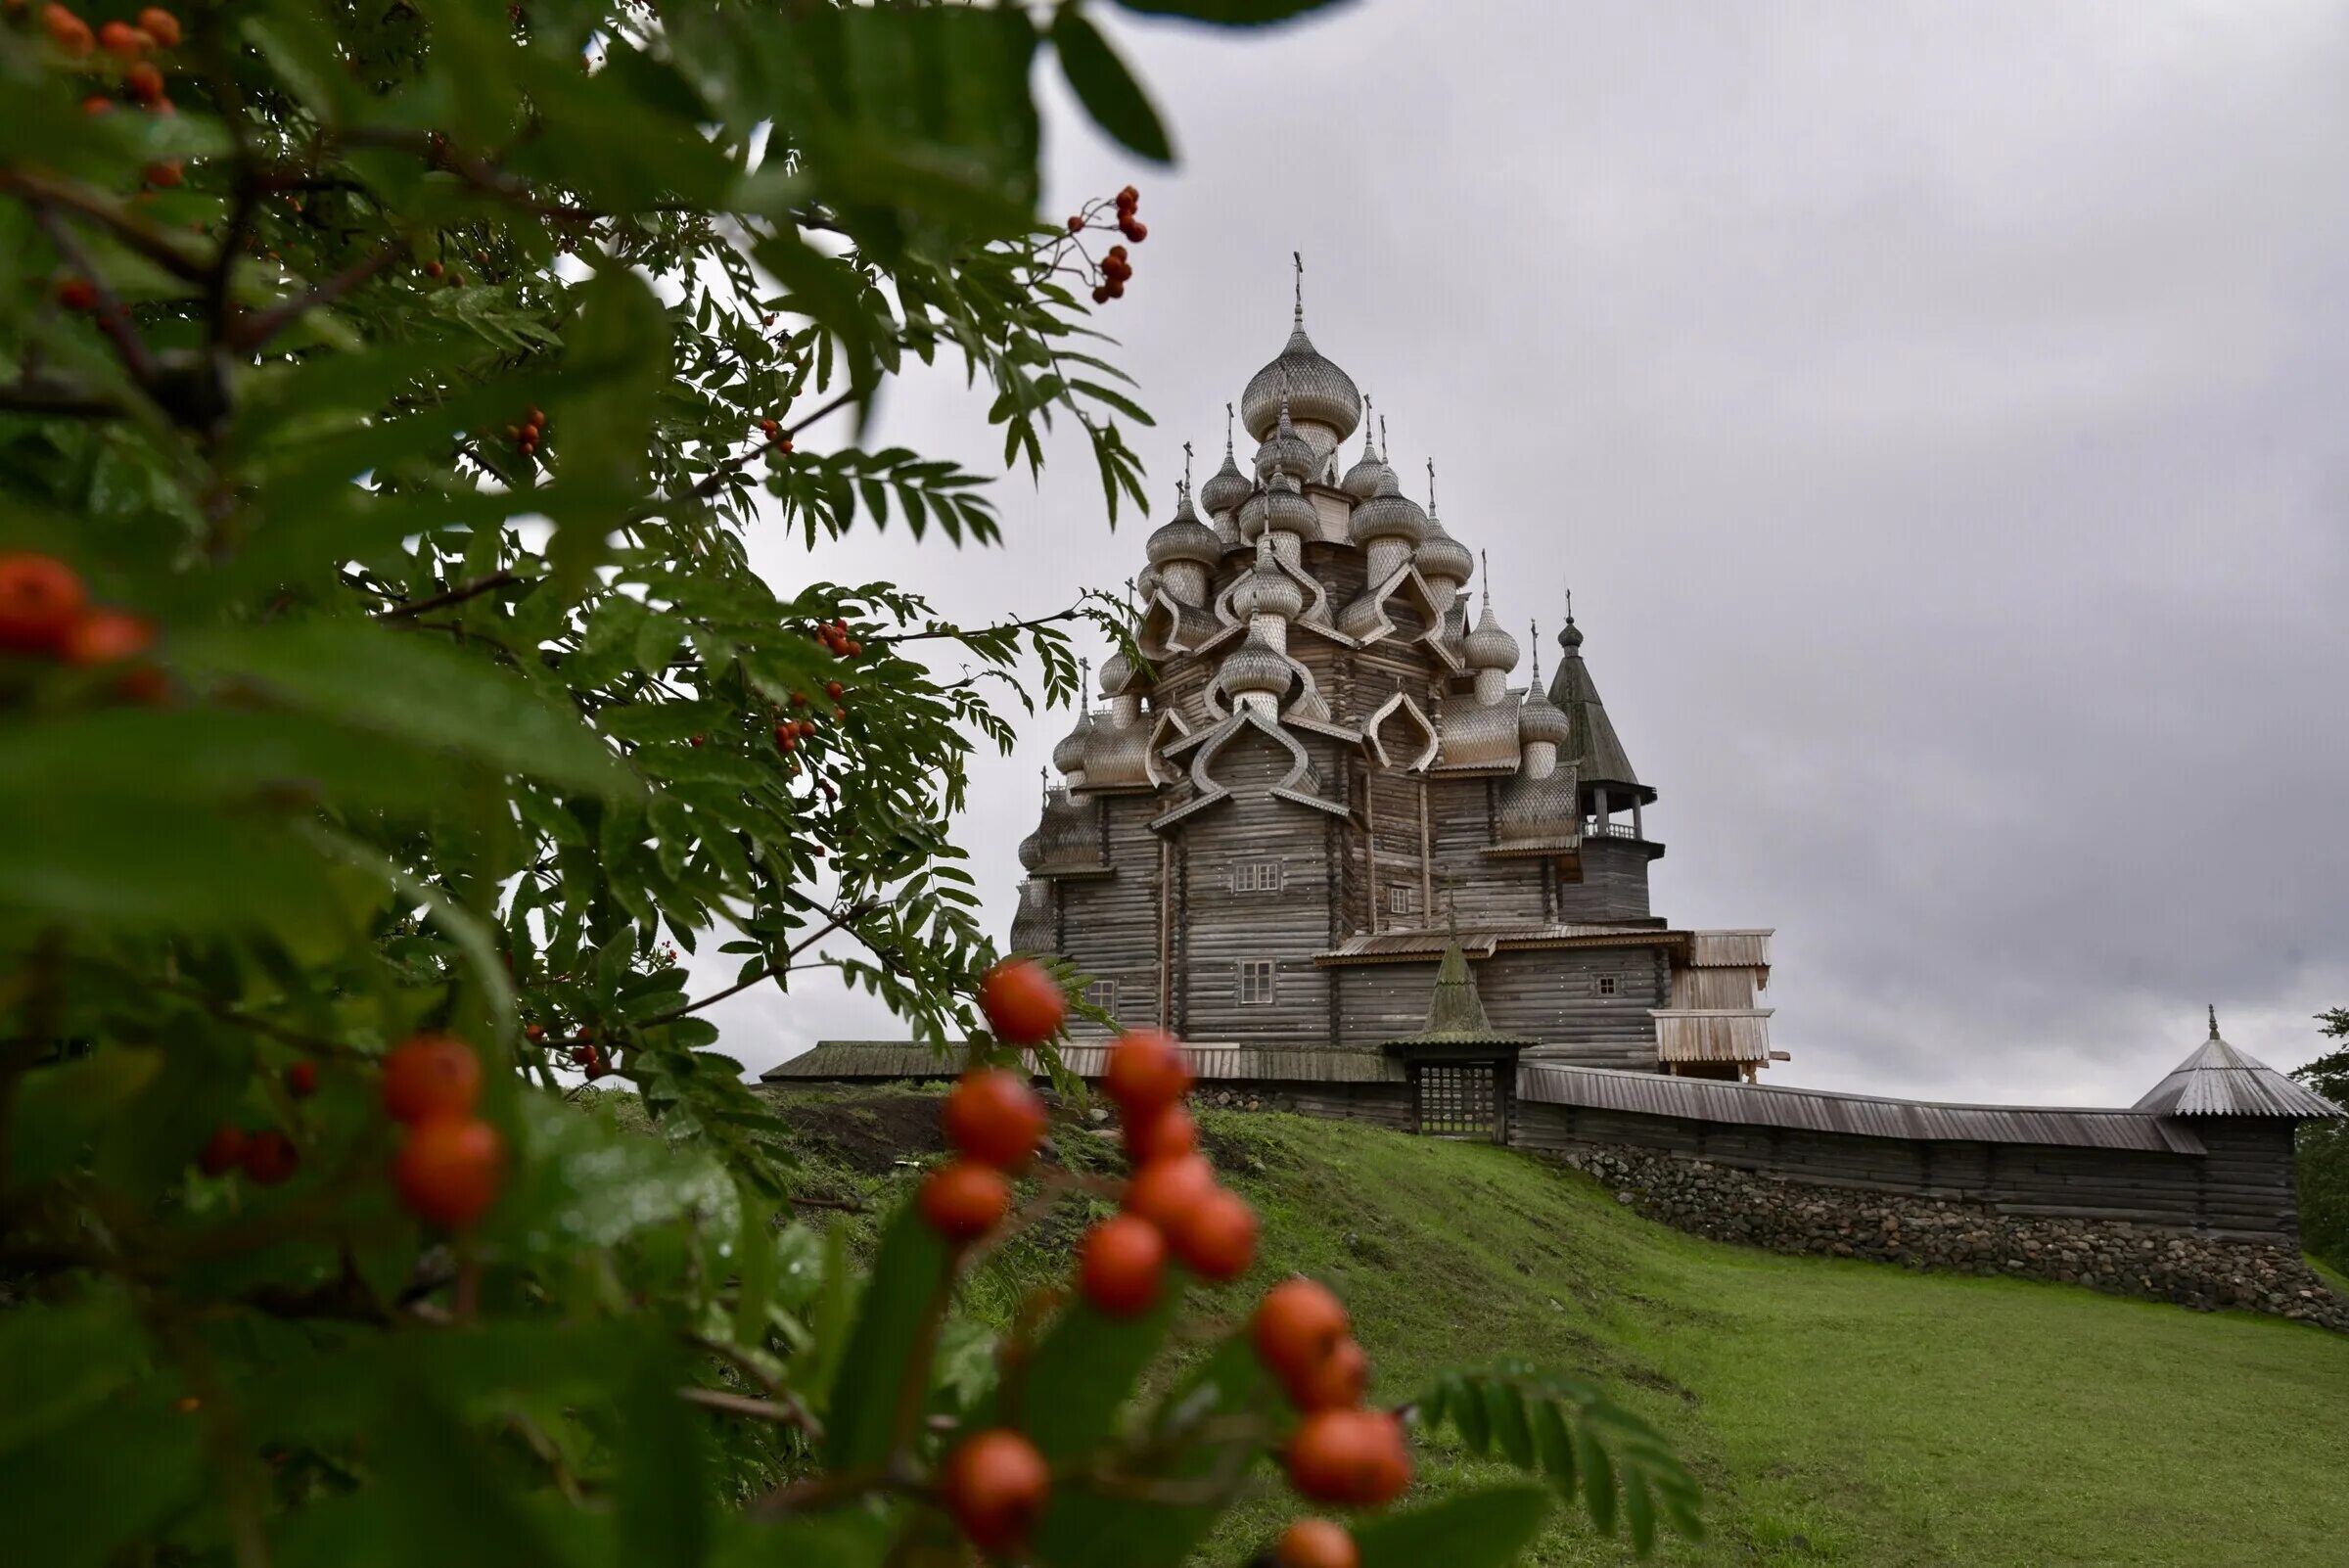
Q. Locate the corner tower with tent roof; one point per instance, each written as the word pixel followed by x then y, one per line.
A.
pixel 1322 737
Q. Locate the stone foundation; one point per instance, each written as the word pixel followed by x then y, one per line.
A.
pixel 2190 1269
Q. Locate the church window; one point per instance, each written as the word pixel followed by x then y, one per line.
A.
pixel 1256 980
pixel 1608 985
pixel 1403 900
pixel 1103 994
pixel 1256 876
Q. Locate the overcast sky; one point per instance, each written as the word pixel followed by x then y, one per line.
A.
pixel 1936 409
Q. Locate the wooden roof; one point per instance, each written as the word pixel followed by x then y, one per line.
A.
pixel 1823 1111
pixel 1730 949
pixel 2218 1079
pixel 913 1060
pixel 1403 947
pixel 1455 1013
pixel 1712 1033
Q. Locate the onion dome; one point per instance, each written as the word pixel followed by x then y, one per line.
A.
pixel 1185 539
pixel 1489 647
pixel 1252 514
pixel 1287 511
pixel 1388 514
pixel 1540 718
pixel 1254 666
pixel 1146 582
pixel 1286 452
pixel 1267 592
pixel 1228 486
pixel 1069 754
pixel 1317 390
pixel 1441 558
pixel 1116 674
pixel 1031 850
pixel 1361 480
pixel 1570 636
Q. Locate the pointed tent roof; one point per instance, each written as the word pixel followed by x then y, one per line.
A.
pixel 1456 1014
pixel 1596 752
pixel 2218 1079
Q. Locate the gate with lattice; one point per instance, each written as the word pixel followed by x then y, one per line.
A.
pixel 1460 1100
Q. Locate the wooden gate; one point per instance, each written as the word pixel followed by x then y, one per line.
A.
pixel 1458 1100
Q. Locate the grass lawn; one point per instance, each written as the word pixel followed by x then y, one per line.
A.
pixel 1844 1412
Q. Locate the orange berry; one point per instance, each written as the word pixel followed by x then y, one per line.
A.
pixel 432 269
pixel 447 1169
pixel 105 637
pixel 1337 1381
pixel 1076 223
pixel 1355 1457
pixel 97 104
pixel 1121 1266
pixel 77 293
pixel 994 1118
pixel 769 426
pixel 1296 1326
pixel 1316 1544
pixel 166 173
pixel 431 1076
pixel 1160 1135
pixel 145 83
pixel 1164 1191
pixel 1146 1070
pixel 1215 1237
pixel 269 1157
pixel 1022 1003
pixel 1128 199
pixel 122 39
pixel 1135 229
pixel 995 1485
pixel 40 599
pixel 301 1079
pixel 533 1032
pixel 964 1200
pixel 66 29
pixel 1100 293
pixel 160 26
pixel 223 1151
pixel 833 689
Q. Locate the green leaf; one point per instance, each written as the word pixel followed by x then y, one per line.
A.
pixel 754 1272
pixel 885 1370
pixel 1504 1408
pixel 55 1361
pixel 1483 1529
pixel 665 1490
pixel 1106 88
pixel 1085 1369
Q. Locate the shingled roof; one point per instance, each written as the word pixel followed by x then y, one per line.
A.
pixel 1456 1014
pixel 2218 1079
pixel 1595 753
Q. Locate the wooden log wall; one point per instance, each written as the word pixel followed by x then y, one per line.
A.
pixel 2245 1185
pixel 1614 883
pixel 1548 994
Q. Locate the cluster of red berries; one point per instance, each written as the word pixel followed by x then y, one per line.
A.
pixel 436 272
pixel 778 445
pixel 1116 270
pixel 450 1162
pixel 45 612
pixel 834 635
pixel 266 1157
pixel 589 1057
pixel 527 436
pixel 1131 227
pixel 127 44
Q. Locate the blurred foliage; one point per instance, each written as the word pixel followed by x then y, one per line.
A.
pixel 417 372
pixel 2324 1150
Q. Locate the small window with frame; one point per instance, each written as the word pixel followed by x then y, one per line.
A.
pixel 1103 994
pixel 1609 985
pixel 1403 900
pixel 1256 981
pixel 1261 875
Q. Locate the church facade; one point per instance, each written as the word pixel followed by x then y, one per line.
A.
pixel 1324 771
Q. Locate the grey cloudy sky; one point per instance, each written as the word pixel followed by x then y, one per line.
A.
pixel 1935 410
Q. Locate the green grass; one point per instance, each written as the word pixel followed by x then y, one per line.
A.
pixel 1841 1412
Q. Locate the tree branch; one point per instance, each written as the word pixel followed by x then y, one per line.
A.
pixel 255 330
pixel 463 591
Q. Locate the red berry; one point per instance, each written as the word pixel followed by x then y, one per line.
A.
pixel 105 637
pixel 163 174
pixel 66 29
pixel 533 1032
pixel 996 1485
pixel 77 293
pixel 1122 1264
pixel 1160 1135
pixel 1128 199
pixel 1076 223
pixel 1164 1191
pixel 1135 229
pixel 769 426
pixel 122 39
pixel 145 83
pixel 1023 1002
pixel 1215 1237
pixel 447 1169
pixel 1100 293
pixel 964 1200
pixel 269 1157
pixel 431 1076
pixel 1146 1070
pixel 432 269
pixel 1337 1381
pixel 583 1054
pixel 223 1151
pixel 833 689
pixel 994 1118
pixel 1296 1326
pixel 160 26
pixel 97 104
pixel 40 600
pixel 301 1079
pixel 1316 1544
pixel 1354 1458
pixel 1117 288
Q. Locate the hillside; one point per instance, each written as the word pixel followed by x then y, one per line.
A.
pixel 1840 1412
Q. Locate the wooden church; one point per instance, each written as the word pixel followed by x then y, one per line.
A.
pixel 1320 779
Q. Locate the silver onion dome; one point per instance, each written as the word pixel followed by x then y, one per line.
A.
pixel 1286 452
pixel 1254 666
pixel 1146 582
pixel 1069 754
pixel 1489 647
pixel 1185 539
pixel 1287 511
pixel 1317 390
pixel 1117 674
pixel 1389 514
pixel 1252 514
pixel 1226 488
pixel 1361 480
pixel 1570 635
pixel 1541 720
pixel 1267 592
pixel 1031 850
pixel 1441 558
